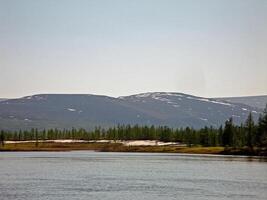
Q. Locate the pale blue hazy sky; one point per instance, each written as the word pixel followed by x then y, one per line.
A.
pixel 120 47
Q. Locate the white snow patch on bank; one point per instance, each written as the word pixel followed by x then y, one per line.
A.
pixel 148 143
pixel 126 143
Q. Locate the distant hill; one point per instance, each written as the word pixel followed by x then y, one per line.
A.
pixel 254 101
pixel 87 111
pixel 1 99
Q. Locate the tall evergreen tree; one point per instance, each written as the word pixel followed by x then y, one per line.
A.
pixel 261 137
pixel 2 138
pixel 250 128
pixel 227 137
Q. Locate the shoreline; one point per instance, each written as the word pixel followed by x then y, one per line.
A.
pixel 123 142
pixel 104 146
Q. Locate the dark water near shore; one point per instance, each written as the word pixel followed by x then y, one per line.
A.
pixel 134 176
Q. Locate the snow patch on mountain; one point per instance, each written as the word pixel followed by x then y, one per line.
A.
pixel 236 116
pixel 143 95
pixel 35 97
pixel 71 109
pixel 210 101
pixel 175 95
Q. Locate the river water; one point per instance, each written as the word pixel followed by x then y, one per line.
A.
pixel 129 176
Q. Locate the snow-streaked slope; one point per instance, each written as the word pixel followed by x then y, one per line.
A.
pixel 88 111
pixel 253 101
pixel 187 110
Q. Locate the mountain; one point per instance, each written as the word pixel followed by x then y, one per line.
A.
pixel 1 99
pixel 254 101
pixel 87 111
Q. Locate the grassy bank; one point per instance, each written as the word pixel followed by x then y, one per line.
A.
pixel 112 147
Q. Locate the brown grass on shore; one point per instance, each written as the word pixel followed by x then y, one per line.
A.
pixel 116 147
pixel 52 146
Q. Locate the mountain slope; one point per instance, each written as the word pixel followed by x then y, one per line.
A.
pixel 254 101
pixel 88 111
pixel 179 109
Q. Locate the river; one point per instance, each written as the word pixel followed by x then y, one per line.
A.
pixel 130 176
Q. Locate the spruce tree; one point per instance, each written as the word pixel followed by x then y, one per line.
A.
pixel 249 127
pixel 261 137
pixel 227 137
pixel 2 138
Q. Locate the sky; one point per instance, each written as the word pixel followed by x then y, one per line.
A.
pixel 210 48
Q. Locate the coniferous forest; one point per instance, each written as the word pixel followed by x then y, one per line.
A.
pixel 249 134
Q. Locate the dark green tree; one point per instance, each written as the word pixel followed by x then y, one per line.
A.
pixel 250 128
pixel 261 135
pixel 2 138
pixel 227 137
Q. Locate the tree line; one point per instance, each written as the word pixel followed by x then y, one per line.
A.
pixel 248 134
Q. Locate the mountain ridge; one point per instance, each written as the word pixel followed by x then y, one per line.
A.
pixel 89 110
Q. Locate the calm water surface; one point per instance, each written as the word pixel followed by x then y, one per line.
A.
pixel 129 176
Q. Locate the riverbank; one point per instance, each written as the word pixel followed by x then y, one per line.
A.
pixel 119 147
pixel 124 142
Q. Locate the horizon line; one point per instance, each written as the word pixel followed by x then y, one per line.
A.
pixel 97 94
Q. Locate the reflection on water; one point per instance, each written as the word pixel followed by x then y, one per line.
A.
pixel 135 176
